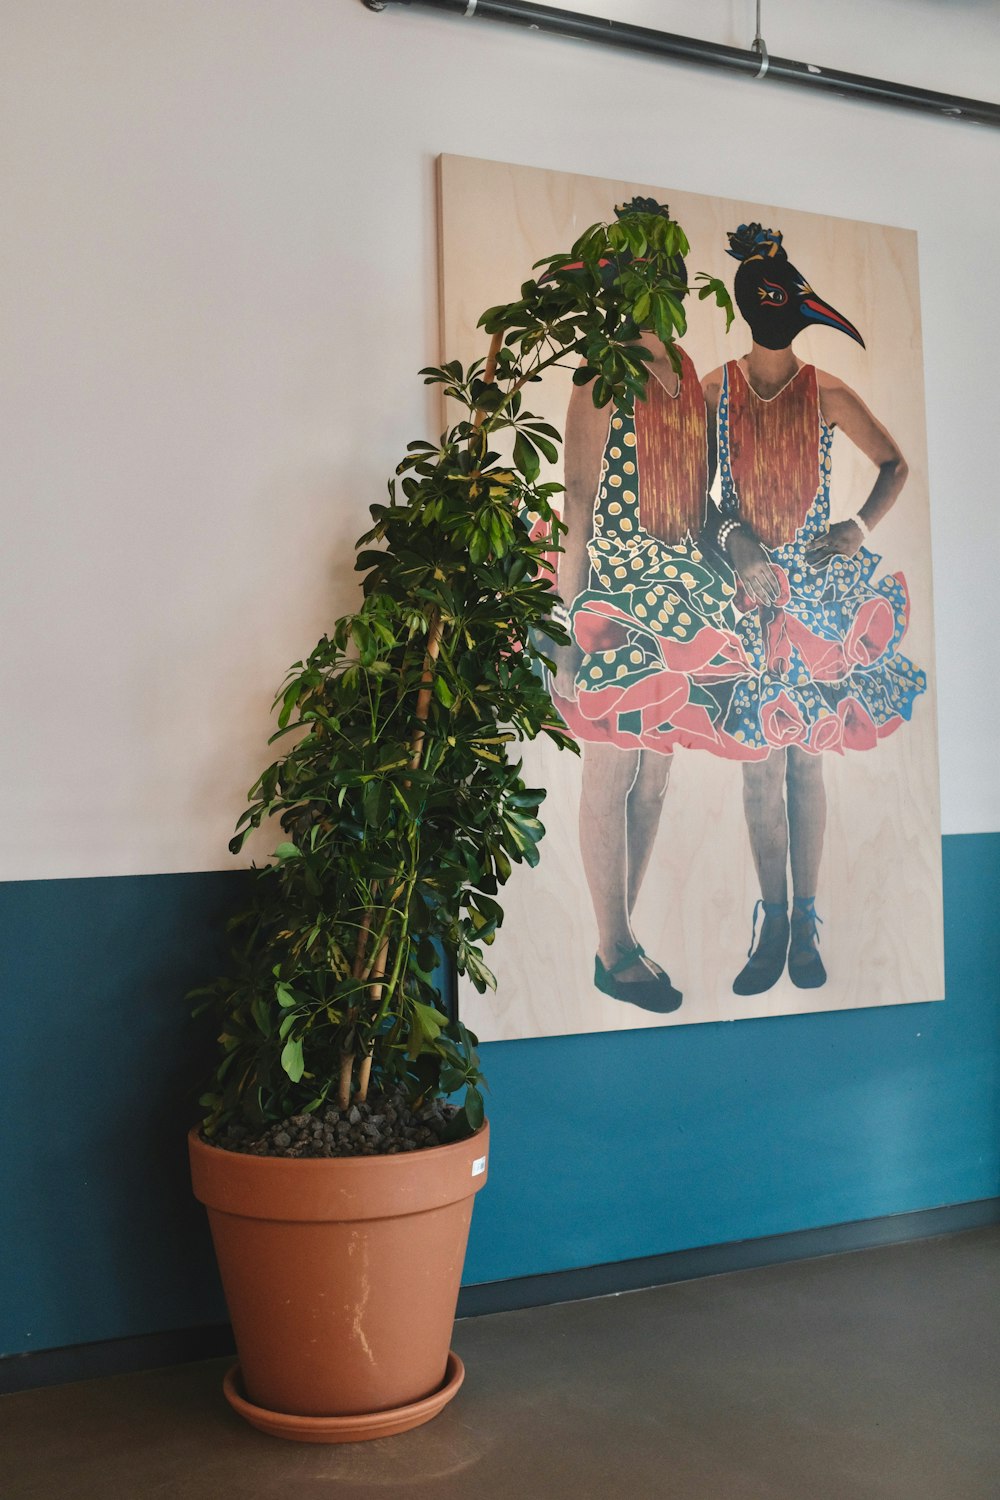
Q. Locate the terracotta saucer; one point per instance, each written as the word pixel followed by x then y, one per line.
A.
pixel 354 1429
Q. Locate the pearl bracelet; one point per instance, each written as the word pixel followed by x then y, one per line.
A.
pixel 725 531
pixel 862 526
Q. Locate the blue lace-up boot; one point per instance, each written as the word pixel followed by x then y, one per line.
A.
pixel 805 967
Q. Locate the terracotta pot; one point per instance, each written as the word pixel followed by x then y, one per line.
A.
pixel 341 1276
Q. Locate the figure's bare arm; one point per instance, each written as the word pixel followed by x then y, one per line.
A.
pixel 586 434
pixel 711 388
pixel 741 547
pixel 844 408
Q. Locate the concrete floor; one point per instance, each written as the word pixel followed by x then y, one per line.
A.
pixel 869 1376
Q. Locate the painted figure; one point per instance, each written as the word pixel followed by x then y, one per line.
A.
pixel 653 620
pixel 821 633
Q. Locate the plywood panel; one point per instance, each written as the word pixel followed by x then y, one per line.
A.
pixel 880 883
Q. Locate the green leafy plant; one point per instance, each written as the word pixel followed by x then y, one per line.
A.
pixel 402 810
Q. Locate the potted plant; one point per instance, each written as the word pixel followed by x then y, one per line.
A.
pixel 338 1179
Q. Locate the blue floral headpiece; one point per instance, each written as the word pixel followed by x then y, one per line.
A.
pixel 753 242
pixel 642 206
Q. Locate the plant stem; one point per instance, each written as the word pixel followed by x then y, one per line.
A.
pixel 381 993
pixel 431 653
pixel 436 624
pixel 381 937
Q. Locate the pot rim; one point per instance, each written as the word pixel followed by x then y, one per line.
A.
pixel 337 1187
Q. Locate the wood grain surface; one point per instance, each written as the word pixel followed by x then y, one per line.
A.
pixel 880 882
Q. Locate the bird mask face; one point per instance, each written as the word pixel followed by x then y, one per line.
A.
pixel 772 295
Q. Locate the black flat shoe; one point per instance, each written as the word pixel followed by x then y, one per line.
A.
pixel 654 994
pixel 805 967
pixel 767 961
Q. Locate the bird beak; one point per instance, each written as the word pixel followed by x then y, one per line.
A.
pixel 818 311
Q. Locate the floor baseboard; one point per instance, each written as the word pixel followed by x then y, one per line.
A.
pixel 46 1367
pixel 715 1260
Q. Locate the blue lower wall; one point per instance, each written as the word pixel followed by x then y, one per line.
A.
pixel 605 1148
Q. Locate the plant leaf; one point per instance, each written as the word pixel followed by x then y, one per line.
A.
pixel 292 1060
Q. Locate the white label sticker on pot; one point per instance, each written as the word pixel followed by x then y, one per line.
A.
pixel 479 1166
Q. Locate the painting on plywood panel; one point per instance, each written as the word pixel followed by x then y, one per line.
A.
pixel 752 826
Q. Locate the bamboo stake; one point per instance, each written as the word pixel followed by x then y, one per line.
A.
pixel 364 1077
pixel 344 1088
pixel 490 372
pixel 375 989
pixel 359 957
pixel 426 688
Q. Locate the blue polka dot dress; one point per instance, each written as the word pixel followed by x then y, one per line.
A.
pixel 826 671
pixel 658 624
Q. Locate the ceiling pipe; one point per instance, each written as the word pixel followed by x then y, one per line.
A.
pixel 653 43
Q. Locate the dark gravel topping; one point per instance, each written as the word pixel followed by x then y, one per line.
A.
pixel 384 1126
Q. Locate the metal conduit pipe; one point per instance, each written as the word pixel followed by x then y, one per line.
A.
pixel 710 54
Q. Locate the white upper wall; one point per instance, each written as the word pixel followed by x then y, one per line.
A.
pixel 220 281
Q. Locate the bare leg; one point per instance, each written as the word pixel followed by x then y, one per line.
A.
pixel 767 823
pixel 806 826
pixel 806 819
pixel 608 776
pixel 645 804
pixel 611 779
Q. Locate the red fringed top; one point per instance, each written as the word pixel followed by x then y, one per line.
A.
pixel 672 452
pixel 774 453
